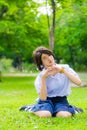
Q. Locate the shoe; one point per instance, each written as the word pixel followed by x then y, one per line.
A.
pixel 26 108
pixel 22 108
pixel 77 110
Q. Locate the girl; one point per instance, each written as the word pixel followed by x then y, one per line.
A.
pixel 53 86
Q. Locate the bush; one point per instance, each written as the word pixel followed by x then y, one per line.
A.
pixel 5 65
pixel 28 67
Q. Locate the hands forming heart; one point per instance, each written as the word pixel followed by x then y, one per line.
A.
pixel 51 71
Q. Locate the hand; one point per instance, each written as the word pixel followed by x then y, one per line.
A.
pixel 56 69
pixel 51 71
pixel 48 72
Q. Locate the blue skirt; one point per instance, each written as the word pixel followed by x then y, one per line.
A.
pixel 54 105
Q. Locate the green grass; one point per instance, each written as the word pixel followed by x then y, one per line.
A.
pixel 18 91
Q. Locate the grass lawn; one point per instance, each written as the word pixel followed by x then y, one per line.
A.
pixel 18 91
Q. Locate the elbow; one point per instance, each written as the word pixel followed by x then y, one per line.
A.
pixel 79 83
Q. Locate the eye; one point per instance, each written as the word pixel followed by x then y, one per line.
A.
pixel 44 58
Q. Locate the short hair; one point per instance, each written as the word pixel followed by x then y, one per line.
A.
pixel 37 56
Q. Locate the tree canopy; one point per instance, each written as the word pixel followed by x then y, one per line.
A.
pixel 23 28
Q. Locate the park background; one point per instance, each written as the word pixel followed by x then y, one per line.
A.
pixel 60 25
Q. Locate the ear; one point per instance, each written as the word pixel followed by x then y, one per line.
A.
pixel 41 67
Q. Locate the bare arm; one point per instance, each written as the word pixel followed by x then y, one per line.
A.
pixel 43 89
pixel 75 79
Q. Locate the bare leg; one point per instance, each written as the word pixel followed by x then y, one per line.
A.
pixel 43 113
pixel 63 114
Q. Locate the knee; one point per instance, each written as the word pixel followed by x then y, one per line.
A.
pixel 43 114
pixel 63 114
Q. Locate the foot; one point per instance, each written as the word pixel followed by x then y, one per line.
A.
pixel 26 108
pixel 77 110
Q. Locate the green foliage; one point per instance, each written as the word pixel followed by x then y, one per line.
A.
pixel 22 30
pixel 19 32
pixel 71 36
pixel 5 65
pixel 29 68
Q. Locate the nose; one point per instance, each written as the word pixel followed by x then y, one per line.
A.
pixel 50 58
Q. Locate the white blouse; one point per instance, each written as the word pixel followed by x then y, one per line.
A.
pixel 57 85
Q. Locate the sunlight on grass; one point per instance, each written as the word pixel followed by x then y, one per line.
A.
pixel 18 91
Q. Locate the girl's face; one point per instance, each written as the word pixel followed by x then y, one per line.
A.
pixel 47 60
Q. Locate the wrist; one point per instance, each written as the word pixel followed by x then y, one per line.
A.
pixel 62 70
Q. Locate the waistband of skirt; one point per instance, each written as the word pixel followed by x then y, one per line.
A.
pixel 57 97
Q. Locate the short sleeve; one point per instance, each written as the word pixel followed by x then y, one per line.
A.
pixel 38 83
pixel 69 69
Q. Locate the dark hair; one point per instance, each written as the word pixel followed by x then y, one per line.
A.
pixel 37 56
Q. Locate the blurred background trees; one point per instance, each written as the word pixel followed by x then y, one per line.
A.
pixel 23 27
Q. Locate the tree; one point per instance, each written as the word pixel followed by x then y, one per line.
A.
pixel 19 30
pixel 51 25
pixel 71 34
pixel 22 30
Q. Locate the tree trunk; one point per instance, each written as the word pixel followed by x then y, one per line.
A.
pixel 51 25
pixel 20 63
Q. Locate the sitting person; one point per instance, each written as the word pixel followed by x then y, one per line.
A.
pixel 53 86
